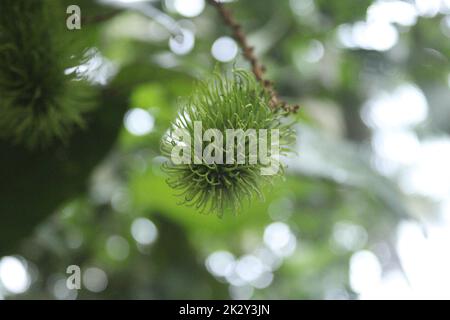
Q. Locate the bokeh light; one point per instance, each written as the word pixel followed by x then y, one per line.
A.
pixel 279 238
pixel 144 231
pixel 189 8
pixel 224 49
pixel 13 275
pixel 95 279
pixel 117 247
pixel 249 268
pixel 139 122
pixel 182 44
pixel 348 236
pixel 220 263
pixel 405 106
pixel 365 271
pixel 315 52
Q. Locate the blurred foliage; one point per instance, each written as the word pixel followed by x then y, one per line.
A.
pixel 39 101
pixel 63 205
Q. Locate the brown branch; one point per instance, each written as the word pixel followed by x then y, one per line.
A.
pixel 258 68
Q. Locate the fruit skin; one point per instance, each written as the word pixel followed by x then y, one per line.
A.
pixel 238 102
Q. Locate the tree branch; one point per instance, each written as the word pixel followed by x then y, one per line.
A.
pixel 258 68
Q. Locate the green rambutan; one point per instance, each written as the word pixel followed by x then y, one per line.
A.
pixel 38 101
pixel 237 102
